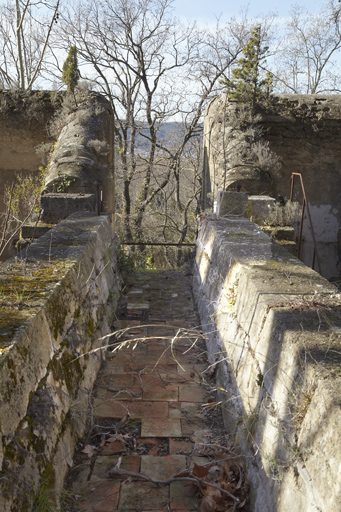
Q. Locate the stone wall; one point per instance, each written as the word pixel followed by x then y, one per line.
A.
pixel 83 156
pixel 273 332
pixel 57 302
pixel 74 141
pixel 23 119
pixel 305 132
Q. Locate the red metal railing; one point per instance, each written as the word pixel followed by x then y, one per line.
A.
pixel 305 206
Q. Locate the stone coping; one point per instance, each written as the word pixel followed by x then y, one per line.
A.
pixel 275 326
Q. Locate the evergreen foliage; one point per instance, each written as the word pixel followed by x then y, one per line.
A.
pixel 71 72
pixel 250 85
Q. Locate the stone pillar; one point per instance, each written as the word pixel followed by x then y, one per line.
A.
pixel 232 203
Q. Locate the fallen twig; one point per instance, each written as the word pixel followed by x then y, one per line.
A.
pixel 123 472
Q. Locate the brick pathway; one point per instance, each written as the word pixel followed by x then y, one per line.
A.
pixel 160 387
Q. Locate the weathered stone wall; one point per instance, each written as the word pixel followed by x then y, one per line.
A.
pixel 273 330
pixel 305 132
pixel 83 156
pixel 23 119
pixel 57 302
pixel 81 160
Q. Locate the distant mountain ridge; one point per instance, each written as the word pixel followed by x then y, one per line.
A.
pixel 171 130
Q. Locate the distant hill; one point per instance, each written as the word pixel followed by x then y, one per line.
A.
pixel 168 131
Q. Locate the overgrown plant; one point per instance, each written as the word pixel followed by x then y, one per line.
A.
pixel 64 183
pixel 284 215
pixel 250 89
pixel 251 84
pixel 71 72
pixel 48 500
pixel 21 199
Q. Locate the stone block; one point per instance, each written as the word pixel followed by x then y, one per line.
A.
pixel 232 203
pixel 57 207
pixel 259 208
pixel 35 230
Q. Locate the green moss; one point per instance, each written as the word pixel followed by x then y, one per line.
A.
pixel 77 313
pixel 28 419
pixel 108 256
pixel 90 327
pixel 23 289
pixel 67 369
pixel 12 372
pixel 58 309
pixel 22 350
pixel 13 456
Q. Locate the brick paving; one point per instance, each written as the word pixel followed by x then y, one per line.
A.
pixel 160 384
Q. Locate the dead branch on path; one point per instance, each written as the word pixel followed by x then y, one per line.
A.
pixel 217 482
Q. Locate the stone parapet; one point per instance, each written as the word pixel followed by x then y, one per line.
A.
pixel 57 207
pixel 304 133
pixel 273 331
pixel 57 303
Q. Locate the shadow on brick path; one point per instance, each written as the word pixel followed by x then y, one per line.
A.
pixel 160 384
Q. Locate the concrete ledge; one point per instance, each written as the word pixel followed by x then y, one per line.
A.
pixel 58 300
pixel 57 207
pixel 273 328
pixel 34 230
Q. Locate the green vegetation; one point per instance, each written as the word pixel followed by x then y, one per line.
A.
pixel 22 200
pixel 65 182
pixel 252 85
pixel 22 197
pixel 71 72
pixel 48 500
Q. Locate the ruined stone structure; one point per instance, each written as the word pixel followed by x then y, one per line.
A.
pixel 23 119
pixel 80 158
pixel 83 157
pixel 272 324
pixel 305 132
pixel 272 329
pixel 57 302
pixel 59 296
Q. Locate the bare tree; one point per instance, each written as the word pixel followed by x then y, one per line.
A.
pixel 153 70
pixel 24 35
pixel 306 60
pixel 21 199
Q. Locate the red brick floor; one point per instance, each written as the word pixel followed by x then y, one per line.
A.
pixel 158 382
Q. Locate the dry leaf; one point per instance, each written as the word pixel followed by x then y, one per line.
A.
pixel 214 494
pixel 207 504
pixel 214 473
pixel 118 437
pixel 200 471
pixel 227 486
pixel 89 449
pixel 183 474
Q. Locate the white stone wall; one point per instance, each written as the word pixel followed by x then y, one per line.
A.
pixel 273 329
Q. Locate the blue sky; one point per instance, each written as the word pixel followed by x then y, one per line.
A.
pixel 204 10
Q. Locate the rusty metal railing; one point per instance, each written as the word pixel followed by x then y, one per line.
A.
pixel 305 206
